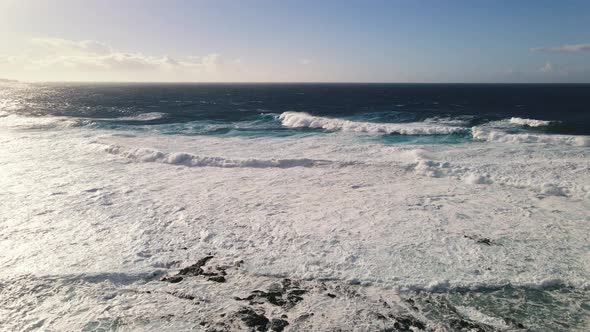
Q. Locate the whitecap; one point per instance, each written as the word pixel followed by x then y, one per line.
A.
pixel 494 135
pixel 529 122
pixel 150 116
pixel 306 120
pixel 191 160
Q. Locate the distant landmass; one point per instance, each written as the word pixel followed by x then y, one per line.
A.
pixel 5 80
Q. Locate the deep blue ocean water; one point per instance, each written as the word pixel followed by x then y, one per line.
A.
pixel 253 109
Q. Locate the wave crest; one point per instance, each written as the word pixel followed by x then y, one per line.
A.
pixel 150 116
pixel 529 122
pixel 490 135
pixel 191 160
pixel 306 120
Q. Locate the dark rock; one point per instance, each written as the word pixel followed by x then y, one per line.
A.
pixel 253 319
pixel 195 269
pixel 406 324
pixel 412 304
pixel 480 240
pixel 217 278
pixel 294 299
pixel 221 270
pixel 484 241
pixel 286 283
pixel 172 279
pixel 297 291
pixel 331 295
pixel 275 298
pixel 464 325
pixel 278 325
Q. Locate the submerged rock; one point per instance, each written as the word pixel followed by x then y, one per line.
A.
pixel 195 269
pixel 407 324
pixel 278 294
pixel 172 279
pixel 278 325
pixel 480 240
pixel 217 278
pixel 253 319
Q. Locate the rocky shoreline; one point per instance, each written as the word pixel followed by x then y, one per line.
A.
pixel 281 305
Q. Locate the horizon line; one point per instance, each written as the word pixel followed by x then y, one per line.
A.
pixel 2 80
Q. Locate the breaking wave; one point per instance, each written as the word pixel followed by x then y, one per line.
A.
pixel 306 120
pixel 151 116
pixel 191 160
pixel 529 122
pixel 492 135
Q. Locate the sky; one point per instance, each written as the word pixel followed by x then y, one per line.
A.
pixel 296 41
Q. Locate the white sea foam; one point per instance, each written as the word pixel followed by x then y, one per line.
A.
pixel 15 121
pixel 305 120
pixel 190 160
pixel 529 122
pixel 150 116
pixel 496 135
pixel 398 218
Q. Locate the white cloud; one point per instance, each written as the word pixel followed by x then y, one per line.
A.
pixel 304 62
pixel 91 54
pixel 7 59
pixel 72 47
pixel 547 68
pixel 563 48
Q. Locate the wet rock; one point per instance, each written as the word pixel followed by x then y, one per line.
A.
pixel 410 301
pixel 293 299
pixel 286 294
pixel 195 269
pixel 217 278
pixel 278 325
pixel 253 319
pixel 465 325
pixel 221 270
pixel 172 279
pixel 407 324
pixel 479 240
pixel 297 292
pixel 484 241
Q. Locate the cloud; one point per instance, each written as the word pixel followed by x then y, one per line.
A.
pixel 72 47
pixel 90 56
pixel 7 59
pixel 547 68
pixel 304 62
pixel 563 48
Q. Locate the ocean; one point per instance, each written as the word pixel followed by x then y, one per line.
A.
pixel 303 207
